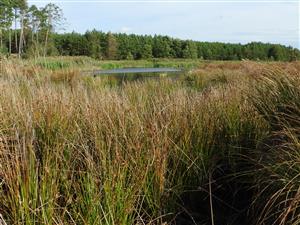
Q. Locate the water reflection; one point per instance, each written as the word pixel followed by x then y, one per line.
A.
pixel 119 76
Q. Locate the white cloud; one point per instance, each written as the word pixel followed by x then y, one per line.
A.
pixel 125 29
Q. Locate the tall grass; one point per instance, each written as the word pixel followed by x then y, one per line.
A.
pixel 74 150
pixel 277 99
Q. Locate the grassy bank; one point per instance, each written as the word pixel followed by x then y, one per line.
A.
pixel 218 146
pixel 87 63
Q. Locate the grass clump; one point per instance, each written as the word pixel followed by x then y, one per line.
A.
pixel 278 183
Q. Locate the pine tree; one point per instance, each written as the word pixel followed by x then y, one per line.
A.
pixel 111 47
pixel 190 50
pixel 147 51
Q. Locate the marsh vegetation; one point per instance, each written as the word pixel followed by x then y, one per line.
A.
pixel 220 145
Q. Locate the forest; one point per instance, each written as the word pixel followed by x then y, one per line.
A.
pixel 31 31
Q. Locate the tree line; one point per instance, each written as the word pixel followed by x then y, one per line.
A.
pixel 102 45
pixel 33 32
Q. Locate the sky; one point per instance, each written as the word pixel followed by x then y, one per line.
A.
pixel 234 21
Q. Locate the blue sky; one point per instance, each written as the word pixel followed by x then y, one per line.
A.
pixel 236 21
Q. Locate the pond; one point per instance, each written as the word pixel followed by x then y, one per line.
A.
pixel 118 76
pixel 136 71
